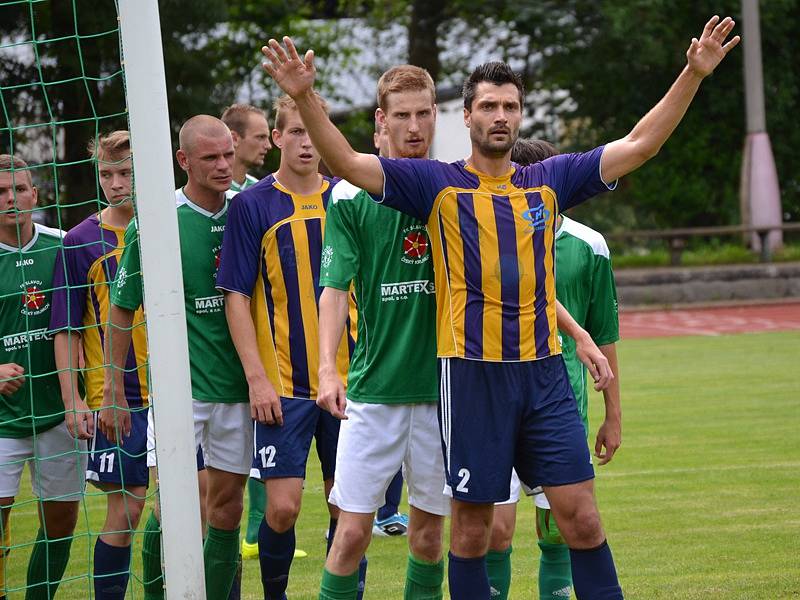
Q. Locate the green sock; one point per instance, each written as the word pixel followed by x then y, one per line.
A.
pixel 46 567
pixel 423 579
pixel 498 563
pixel 257 494
pixel 221 556
pixel 338 587
pixel 153 579
pixel 555 575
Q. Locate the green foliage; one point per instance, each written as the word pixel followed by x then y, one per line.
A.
pixel 617 59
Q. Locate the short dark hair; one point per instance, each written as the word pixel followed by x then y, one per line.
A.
pixel 15 163
pixel 527 152
pixel 236 117
pixel 498 73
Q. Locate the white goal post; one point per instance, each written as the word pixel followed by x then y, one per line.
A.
pixel 170 383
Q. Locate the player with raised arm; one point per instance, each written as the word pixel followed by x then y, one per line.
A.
pixel 269 271
pixel 390 419
pixel 32 427
pixel 585 286
pixel 503 384
pixel 81 282
pixel 221 415
pixel 250 132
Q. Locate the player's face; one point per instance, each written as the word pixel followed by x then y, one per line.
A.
pixel 494 119
pixel 409 122
pixel 209 162
pixel 297 153
pixel 115 178
pixel 17 198
pixel 253 147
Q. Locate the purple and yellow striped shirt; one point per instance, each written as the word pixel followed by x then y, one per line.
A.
pixel 271 253
pixel 493 247
pixel 81 284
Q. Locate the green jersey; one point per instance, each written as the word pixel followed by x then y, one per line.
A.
pixel 249 181
pixel 585 286
pixel 26 290
pixel 217 374
pixel 387 255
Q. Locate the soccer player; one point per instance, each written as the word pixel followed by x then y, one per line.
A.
pixel 250 132
pixel 390 418
pixel 585 286
pixel 221 414
pixel 32 427
pixel 503 384
pixel 81 282
pixel 269 271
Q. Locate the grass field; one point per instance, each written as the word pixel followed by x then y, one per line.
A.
pixel 700 502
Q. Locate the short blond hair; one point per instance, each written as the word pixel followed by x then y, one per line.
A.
pixel 285 104
pixel 111 146
pixel 10 162
pixel 236 117
pixel 404 78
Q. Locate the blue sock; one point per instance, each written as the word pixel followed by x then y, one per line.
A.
pixel 393 493
pixel 594 575
pixel 362 577
pixel 331 532
pixel 275 553
pixel 111 565
pixel 468 578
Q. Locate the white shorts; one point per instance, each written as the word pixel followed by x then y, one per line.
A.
pixel 57 462
pixel 374 442
pixel 513 493
pixel 223 431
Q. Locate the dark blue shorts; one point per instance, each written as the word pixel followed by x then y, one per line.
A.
pixel 282 451
pixel 123 465
pixel 497 415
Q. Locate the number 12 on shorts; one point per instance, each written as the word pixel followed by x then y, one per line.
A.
pixel 464 480
pixel 267 454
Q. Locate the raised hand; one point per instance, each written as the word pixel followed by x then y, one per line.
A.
pixel 294 75
pixel 706 53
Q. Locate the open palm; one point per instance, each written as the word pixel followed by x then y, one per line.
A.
pixel 706 53
pixel 292 74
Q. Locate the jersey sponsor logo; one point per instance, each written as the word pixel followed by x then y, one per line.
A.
pixel 415 245
pixel 17 341
pixel 34 301
pixel 402 290
pixel 25 262
pixel 327 256
pixel 217 228
pixel 537 217
pixel 310 207
pixel 122 277
pixel 209 304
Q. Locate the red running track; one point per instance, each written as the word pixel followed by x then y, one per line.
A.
pixel 710 321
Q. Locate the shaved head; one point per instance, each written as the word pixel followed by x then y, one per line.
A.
pixel 201 126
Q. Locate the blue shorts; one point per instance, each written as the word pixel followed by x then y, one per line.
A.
pixel 122 465
pixel 497 415
pixel 282 450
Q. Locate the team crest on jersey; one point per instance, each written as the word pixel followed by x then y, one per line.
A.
pixel 217 251
pixel 415 245
pixel 327 256
pixel 34 300
pixel 122 277
pixel 537 217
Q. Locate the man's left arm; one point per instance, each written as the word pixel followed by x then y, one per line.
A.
pixel 627 154
pixel 609 435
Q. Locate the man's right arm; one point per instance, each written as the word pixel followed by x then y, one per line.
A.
pixel 333 311
pixel 265 406
pixel 295 76
pixel 115 350
pixel 80 421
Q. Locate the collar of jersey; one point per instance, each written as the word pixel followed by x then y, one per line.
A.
pixel 485 177
pixel 202 210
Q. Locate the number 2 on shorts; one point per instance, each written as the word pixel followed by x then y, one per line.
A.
pixel 462 485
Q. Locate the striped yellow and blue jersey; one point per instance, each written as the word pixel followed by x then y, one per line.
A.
pixel 493 247
pixel 271 253
pixel 81 282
